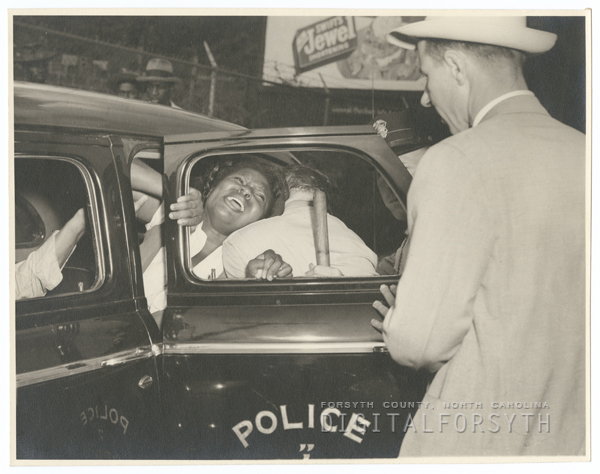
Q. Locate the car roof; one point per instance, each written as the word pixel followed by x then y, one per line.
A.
pixel 44 105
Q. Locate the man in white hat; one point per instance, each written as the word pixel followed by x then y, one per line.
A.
pixel 159 81
pixel 493 294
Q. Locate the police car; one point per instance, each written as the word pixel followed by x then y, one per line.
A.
pixel 238 369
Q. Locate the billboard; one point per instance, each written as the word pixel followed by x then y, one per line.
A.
pixel 324 42
pixel 339 52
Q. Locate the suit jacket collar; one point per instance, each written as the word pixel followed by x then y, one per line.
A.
pixel 516 105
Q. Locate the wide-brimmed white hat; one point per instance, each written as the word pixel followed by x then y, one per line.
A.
pixel 159 70
pixel 507 31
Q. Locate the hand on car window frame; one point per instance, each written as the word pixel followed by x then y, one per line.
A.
pixel 188 209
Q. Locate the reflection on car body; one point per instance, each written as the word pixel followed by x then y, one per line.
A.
pixel 238 369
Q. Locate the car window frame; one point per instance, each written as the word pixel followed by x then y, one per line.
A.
pixel 89 180
pixel 246 287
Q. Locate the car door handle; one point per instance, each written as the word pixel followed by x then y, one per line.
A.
pixel 380 350
pixel 134 354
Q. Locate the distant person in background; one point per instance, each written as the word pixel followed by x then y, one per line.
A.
pixel 31 62
pixel 125 85
pixel 159 80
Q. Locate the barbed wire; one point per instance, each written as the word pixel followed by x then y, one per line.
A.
pixel 169 58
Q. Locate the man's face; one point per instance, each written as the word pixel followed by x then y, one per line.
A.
pixel 159 93
pixel 443 92
pixel 127 90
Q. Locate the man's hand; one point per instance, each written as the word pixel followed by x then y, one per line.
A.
pixel 389 293
pixel 188 209
pixel 322 271
pixel 267 266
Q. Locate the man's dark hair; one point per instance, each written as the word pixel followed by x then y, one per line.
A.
pixel 305 178
pixel 436 48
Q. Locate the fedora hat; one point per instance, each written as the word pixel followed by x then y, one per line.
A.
pixel 509 32
pixel 159 70
pixel 123 76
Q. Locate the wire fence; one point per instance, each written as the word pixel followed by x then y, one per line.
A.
pixel 91 64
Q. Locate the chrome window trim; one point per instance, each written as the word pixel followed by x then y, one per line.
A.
pixel 88 365
pixel 274 348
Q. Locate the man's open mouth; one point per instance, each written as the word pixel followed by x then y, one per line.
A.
pixel 235 203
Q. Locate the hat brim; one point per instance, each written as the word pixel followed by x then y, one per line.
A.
pixel 527 40
pixel 171 80
pixel 121 78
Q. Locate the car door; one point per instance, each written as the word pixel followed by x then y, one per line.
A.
pixel 288 369
pixel 86 352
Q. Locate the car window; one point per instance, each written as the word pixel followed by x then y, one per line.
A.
pixel 366 223
pixel 56 237
pixel 29 225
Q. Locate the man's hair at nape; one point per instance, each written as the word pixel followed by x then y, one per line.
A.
pixel 485 53
pixel 304 178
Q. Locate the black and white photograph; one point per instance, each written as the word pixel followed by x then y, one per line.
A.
pixel 299 236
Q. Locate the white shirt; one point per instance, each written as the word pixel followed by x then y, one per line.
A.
pixel 155 276
pixel 291 236
pixel 39 273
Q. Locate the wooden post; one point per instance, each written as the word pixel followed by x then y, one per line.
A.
pixel 326 116
pixel 321 234
pixel 213 81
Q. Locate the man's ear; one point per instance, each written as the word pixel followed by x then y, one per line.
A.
pixel 457 63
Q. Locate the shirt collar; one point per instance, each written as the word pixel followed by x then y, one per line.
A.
pixel 298 203
pixel 496 101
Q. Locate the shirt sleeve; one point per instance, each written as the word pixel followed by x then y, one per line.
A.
pixel 450 242
pixel 39 273
pixel 235 259
pixel 158 218
pixel 360 263
pixel 155 282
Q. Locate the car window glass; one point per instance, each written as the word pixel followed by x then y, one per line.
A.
pixel 360 198
pixel 29 226
pixel 55 236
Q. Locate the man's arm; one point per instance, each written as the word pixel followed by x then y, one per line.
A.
pixel 144 179
pixel 450 246
pixel 41 271
pixel 68 236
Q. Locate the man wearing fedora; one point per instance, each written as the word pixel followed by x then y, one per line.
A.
pixel 493 294
pixel 159 81
pixel 125 85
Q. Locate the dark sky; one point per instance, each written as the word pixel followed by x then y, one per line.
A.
pixel 236 42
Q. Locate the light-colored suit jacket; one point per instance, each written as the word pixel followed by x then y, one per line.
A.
pixel 493 292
